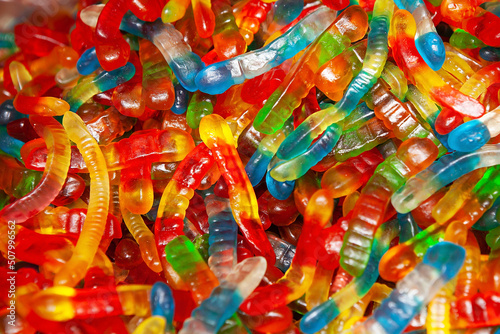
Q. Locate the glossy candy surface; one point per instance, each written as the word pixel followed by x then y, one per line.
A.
pixel 250 166
pixel 370 209
pixel 218 77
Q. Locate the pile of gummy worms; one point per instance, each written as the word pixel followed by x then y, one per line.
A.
pixel 220 166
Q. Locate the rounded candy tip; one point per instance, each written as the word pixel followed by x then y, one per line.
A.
pixel 447 258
